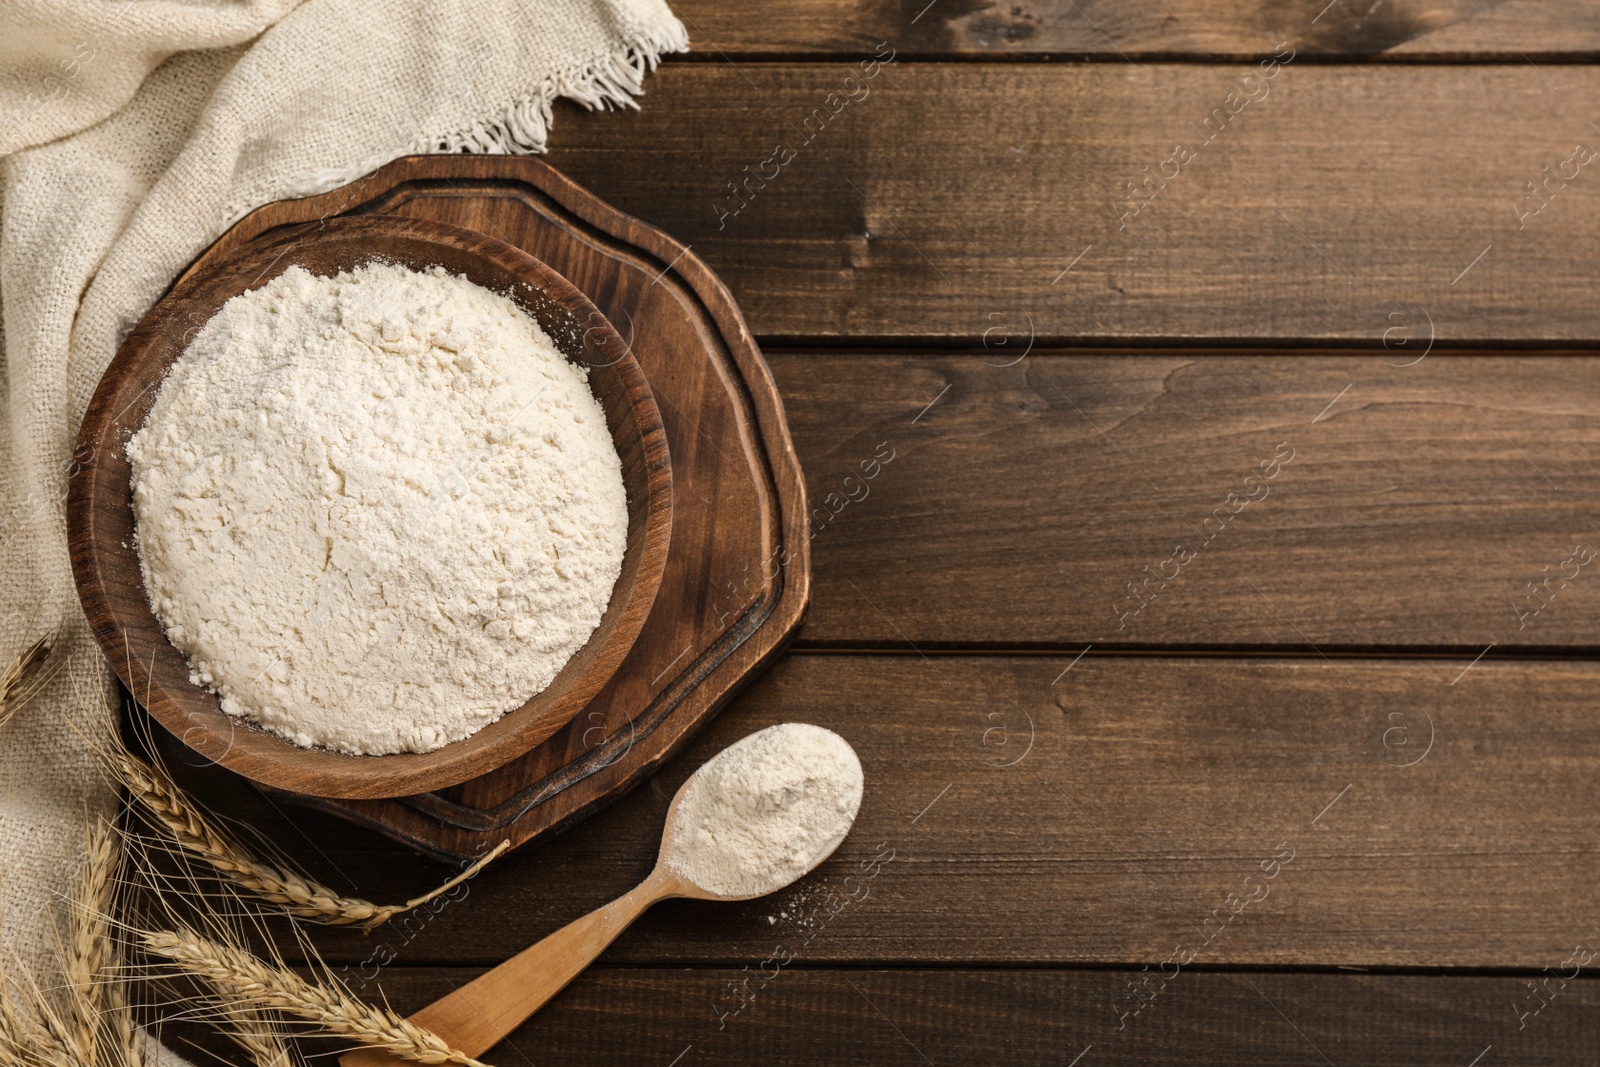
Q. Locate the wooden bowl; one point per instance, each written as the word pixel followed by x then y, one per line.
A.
pixel 100 522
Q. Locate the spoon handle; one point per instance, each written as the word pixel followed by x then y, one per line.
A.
pixel 481 1013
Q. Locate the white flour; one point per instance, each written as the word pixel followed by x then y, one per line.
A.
pixel 377 511
pixel 766 809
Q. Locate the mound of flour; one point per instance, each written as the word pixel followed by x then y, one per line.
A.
pixel 766 809
pixel 376 511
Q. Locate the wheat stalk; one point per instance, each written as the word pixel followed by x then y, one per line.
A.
pixel 297 894
pixel 24 675
pixel 248 981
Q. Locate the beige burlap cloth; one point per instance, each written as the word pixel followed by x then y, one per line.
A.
pixel 133 133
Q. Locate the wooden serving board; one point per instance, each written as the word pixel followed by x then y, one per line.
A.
pixel 738 573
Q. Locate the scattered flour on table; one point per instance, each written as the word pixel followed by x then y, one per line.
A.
pixel 376 511
pixel 766 809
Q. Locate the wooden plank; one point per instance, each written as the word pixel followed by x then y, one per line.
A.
pixel 917 1017
pixel 1517 31
pixel 1021 501
pixel 950 200
pixel 1108 810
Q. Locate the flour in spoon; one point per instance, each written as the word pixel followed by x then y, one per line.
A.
pixel 766 809
pixel 376 511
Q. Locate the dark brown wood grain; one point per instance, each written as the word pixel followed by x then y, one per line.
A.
pixel 1510 31
pixel 948 202
pixel 104 547
pixel 1108 810
pixel 1354 267
pixel 805 1016
pixel 1037 500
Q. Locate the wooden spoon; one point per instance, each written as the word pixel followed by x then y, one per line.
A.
pixel 481 1013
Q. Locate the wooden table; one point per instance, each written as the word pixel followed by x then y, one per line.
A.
pixel 1317 786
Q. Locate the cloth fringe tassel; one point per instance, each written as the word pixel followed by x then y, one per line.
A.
pixel 524 125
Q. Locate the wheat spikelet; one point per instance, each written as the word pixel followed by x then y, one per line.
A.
pixel 96 978
pixel 24 675
pixel 90 945
pixel 297 894
pixel 21 1043
pixel 119 1016
pixel 178 895
pixel 34 1035
pixel 258 1033
pixel 58 1040
pixel 247 981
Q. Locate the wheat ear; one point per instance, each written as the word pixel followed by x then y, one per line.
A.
pixel 90 949
pixel 119 1013
pixel 96 965
pixel 297 894
pixel 238 975
pixel 258 1034
pixel 34 1035
pixel 24 675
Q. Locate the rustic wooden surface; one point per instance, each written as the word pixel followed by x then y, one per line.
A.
pixel 1119 30
pixel 1419 503
pixel 1310 682
pixel 1100 819
pixel 1026 1016
pixel 946 203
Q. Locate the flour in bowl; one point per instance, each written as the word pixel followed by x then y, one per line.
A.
pixel 376 511
pixel 766 809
